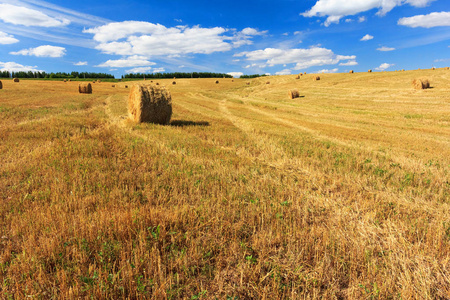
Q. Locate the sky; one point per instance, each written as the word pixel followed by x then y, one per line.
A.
pixel 276 37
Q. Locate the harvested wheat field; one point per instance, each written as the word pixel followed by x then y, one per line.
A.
pixel 246 194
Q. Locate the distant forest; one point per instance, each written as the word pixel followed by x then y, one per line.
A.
pixel 74 75
pixel 177 75
pixel 29 74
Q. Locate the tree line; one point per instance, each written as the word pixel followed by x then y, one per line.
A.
pixel 252 76
pixel 177 75
pixel 37 74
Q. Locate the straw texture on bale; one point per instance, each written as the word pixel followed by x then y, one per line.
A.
pixel 316 78
pixel 1 85
pixel 293 94
pixel 85 88
pixel 16 80
pixel 148 103
pixel 421 84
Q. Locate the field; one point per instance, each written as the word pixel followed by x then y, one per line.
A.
pixel 343 193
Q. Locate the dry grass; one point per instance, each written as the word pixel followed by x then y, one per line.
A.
pixel 247 195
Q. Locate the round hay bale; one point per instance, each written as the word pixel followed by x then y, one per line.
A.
pixel 446 68
pixel 217 81
pixel 157 83
pixel 421 84
pixel 297 77
pixel 247 83
pixel 351 72
pixel 148 103
pixel 315 78
pixel 174 82
pixel 65 80
pixel 433 68
pixel 232 80
pixel 1 85
pixel 267 82
pixel 113 85
pixel 85 88
pixel 70 80
pixel 370 71
pixel 293 94
pixel 99 81
pixel 126 86
pixel 16 79
pixel 403 70
pixel 304 73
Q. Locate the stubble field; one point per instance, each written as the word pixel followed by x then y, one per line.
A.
pixel 343 193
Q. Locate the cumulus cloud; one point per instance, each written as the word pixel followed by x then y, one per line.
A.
pixel 367 37
pixel 328 71
pixel 81 63
pixel 15 67
pixel 235 74
pixel 384 66
pixel 385 49
pixel 362 19
pixel 334 10
pixel 434 19
pixel 19 15
pixel 144 38
pixel 6 39
pixel 140 70
pixel 349 63
pixel 42 51
pixel 302 58
pixel 284 72
pixel 131 61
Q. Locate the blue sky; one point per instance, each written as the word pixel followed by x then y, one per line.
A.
pixel 236 37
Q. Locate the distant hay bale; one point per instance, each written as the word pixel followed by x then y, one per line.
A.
pixel 297 77
pixel 174 78
pixel 370 71
pixel 85 88
pixel 99 81
pixel 113 85
pixel 293 94
pixel 315 78
pixel 148 103
pixel 232 80
pixel 1 85
pixel 174 82
pixel 267 82
pixel 433 68
pixel 351 72
pixel 247 83
pixel 304 73
pixel 217 81
pixel 157 83
pixel 16 79
pixel 65 80
pixel 403 70
pixel 126 86
pixel 446 68
pixel 421 84
pixel 70 80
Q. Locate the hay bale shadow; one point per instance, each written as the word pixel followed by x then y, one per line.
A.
pixel 184 123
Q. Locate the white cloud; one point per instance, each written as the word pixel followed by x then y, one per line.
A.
pixel 348 20
pixel 362 19
pixel 81 63
pixel 385 49
pixel 431 20
pixel 284 72
pixel 144 38
pixel 328 71
pixel 140 70
pixel 349 63
pixel 19 15
pixel 334 10
pixel 367 37
pixel 6 39
pixel 384 66
pixel 42 51
pixel 132 61
pixel 285 34
pixel 302 58
pixel 235 74
pixel 15 67
pixel 159 70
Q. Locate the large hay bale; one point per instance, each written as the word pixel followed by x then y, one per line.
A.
pixel 16 79
pixel 421 84
pixel 315 78
pixel 1 85
pixel 293 94
pixel 148 103
pixel 85 88
pixel 370 71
